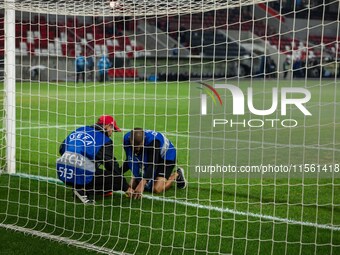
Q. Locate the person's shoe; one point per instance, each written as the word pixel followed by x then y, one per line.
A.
pixel 81 195
pixel 181 181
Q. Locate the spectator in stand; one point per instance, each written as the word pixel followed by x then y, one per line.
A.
pixel 90 67
pixel 267 69
pixel 298 4
pixel 286 67
pixel 104 64
pixel 247 13
pixel 175 50
pixel 297 65
pixel 272 68
pixel 80 67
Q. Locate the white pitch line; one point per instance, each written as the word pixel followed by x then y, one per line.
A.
pixel 209 207
pixel 241 213
pixel 204 137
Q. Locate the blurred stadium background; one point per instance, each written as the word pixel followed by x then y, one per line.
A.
pixel 240 42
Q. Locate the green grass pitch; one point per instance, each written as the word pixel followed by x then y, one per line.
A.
pixel 264 216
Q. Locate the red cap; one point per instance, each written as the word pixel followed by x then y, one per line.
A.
pixel 108 120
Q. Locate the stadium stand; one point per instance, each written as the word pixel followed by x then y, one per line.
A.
pixel 104 36
pixel 191 36
pixel 67 38
pixel 206 34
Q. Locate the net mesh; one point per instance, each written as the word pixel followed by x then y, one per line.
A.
pixel 169 65
pixel 123 7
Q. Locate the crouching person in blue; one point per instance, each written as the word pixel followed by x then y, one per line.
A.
pixel 83 152
pixel 151 157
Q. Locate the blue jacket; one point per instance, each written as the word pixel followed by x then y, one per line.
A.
pixel 136 163
pixel 78 150
pixel 104 64
pixel 90 63
pixel 80 64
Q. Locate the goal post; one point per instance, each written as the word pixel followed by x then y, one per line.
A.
pixel 9 91
pixel 246 91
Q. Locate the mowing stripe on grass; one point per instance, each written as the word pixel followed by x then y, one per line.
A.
pixel 59 239
pixel 207 207
pixel 204 137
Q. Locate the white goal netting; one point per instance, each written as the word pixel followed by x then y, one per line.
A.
pixel 124 7
pixel 246 91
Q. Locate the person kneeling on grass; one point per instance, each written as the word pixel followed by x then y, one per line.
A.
pixel 151 157
pixel 83 152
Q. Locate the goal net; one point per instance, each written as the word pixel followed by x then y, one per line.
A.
pixel 246 91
